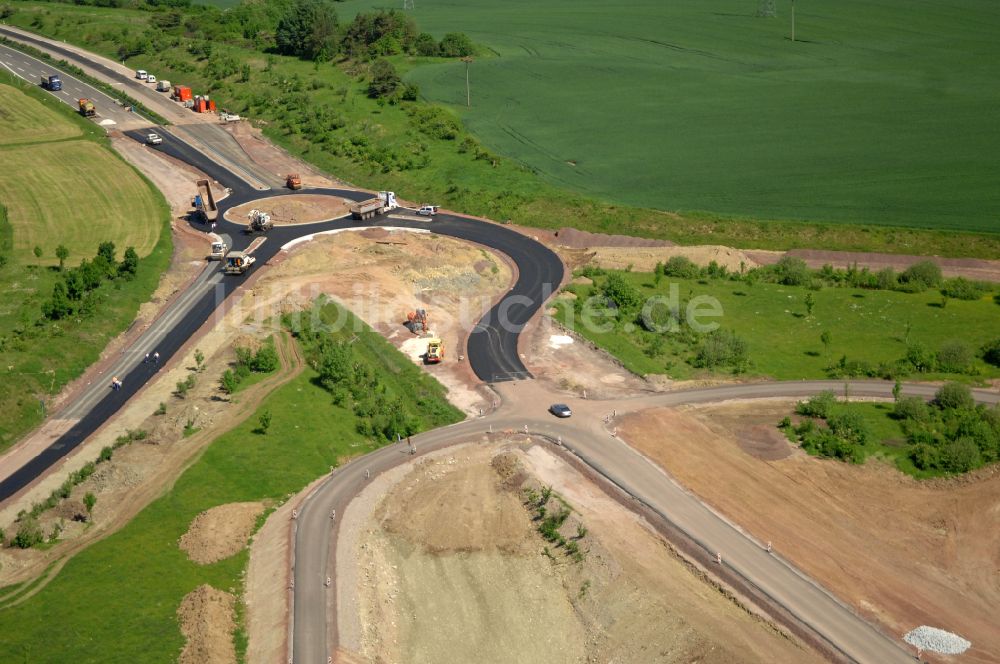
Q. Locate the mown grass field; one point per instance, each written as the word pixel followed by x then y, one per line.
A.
pixel 785 343
pixel 56 193
pixel 24 120
pixel 881 112
pixel 116 602
pixel 71 192
pixel 364 141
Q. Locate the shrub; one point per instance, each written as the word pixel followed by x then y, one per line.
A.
pixel 817 406
pixel 625 296
pixel 954 356
pixel 456 45
pixel 29 534
pixel 384 80
pixel 911 408
pixel 849 425
pixel 960 456
pixel 920 357
pixel 723 348
pixel 922 275
pixel 680 267
pixel 963 289
pixel 991 352
pixel 792 271
pixel 954 396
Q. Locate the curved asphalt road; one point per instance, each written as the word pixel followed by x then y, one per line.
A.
pixel 493 354
pixel 314 604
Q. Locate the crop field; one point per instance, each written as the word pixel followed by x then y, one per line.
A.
pixel 880 113
pixel 51 193
pixel 784 342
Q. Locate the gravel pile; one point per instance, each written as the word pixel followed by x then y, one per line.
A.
pixel 937 640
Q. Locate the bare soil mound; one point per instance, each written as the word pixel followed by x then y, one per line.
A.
pixel 452 568
pixel 293 209
pixel 206 618
pixel 220 532
pixel 645 259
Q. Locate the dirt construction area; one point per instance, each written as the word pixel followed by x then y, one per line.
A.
pixel 293 209
pixel 903 553
pixel 443 562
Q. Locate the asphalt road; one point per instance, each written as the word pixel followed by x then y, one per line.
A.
pixel 315 605
pixel 492 352
pixel 32 70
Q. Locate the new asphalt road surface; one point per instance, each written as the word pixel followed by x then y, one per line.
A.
pixel 492 352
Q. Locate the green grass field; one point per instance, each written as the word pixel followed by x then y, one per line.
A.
pixel 116 602
pixel 52 198
pixel 52 194
pixel 24 120
pixel 379 146
pixel 882 112
pixel 785 344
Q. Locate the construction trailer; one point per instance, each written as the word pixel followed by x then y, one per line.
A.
pixel 87 108
pixel 202 104
pixel 181 93
pixel 385 201
pixel 238 262
pixel 260 222
pixel 435 351
pixel 204 202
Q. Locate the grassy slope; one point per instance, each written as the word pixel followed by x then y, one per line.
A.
pixel 43 359
pixel 688 105
pixel 453 179
pixel 22 120
pixel 785 344
pixel 116 602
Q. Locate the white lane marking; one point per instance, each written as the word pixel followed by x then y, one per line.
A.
pixel 308 238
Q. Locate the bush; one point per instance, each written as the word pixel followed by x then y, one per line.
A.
pixel 922 275
pixel 954 357
pixel 991 352
pixel 625 296
pixel 723 348
pixel 920 357
pixel 29 534
pixel 960 456
pixel 456 45
pixel 817 406
pixel 680 267
pixel 911 408
pixel 792 271
pixel 384 80
pixel 963 289
pixel 954 396
pixel 849 425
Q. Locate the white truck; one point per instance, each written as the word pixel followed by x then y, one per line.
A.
pixel 219 251
pixel 385 201
pixel 153 139
pixel 163 85
pixel 141 74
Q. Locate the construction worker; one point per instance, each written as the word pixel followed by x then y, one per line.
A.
pixel 114 383
pixel 146 361
pixel 156 358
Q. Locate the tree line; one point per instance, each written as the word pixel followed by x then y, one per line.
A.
pixel 76 292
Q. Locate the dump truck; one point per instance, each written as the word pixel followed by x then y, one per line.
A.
pixel 181 93
pixel 293 181
pixel 163 85
pixel 260 222
pixel 87 108
pixel 219 251
pixel 53 83
pixel 435 351
pixel 385 201
pixel 204 202
pixel 238 262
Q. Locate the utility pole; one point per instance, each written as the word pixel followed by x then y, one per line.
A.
pixel 793 20
pixel 468 94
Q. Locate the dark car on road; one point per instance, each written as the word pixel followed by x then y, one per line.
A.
pixel 560 410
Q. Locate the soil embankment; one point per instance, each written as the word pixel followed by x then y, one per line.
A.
pixel 449 565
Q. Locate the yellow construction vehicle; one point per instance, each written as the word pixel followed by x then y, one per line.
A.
pixel 435 351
